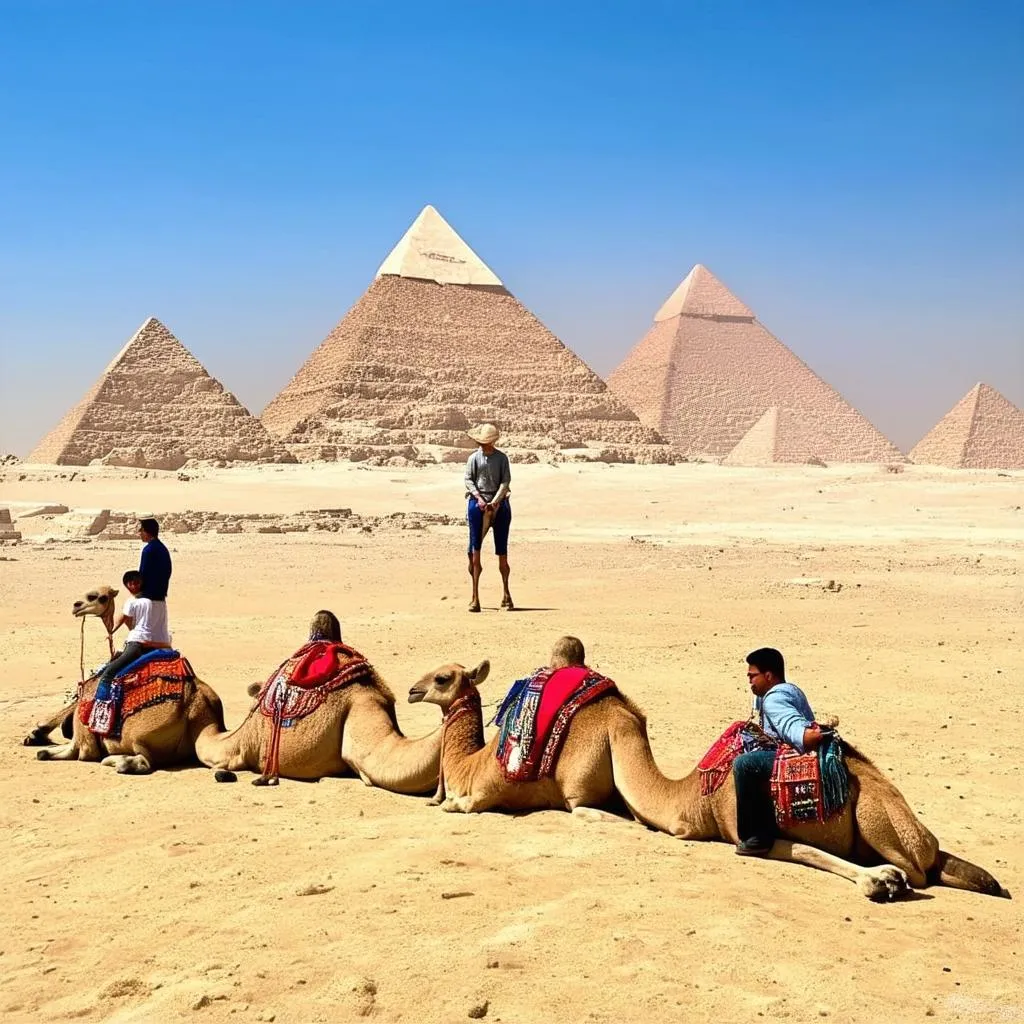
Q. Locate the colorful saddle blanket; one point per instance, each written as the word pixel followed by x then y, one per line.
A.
pixel 804 787
pixel 535 715
pixel 299 685
pixel 156 677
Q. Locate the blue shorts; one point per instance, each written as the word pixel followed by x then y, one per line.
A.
pixel 499 526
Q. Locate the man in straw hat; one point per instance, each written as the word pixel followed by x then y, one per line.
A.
pixel 488 477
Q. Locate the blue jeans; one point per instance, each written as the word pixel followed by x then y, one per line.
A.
pixel 132 652
pixel 755 813
pixel 500 526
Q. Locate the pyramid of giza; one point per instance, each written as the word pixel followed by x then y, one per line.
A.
pixel 155 406
pixel 983 430
pixel 435 345
pixel 707 371
pixel 780 435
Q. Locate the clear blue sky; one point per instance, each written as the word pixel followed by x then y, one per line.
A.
pixel 854 172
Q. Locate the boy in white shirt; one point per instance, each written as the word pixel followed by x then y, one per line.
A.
pixel 147 624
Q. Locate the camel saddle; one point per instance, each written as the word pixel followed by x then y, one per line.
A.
pixel 157 676
pixel 534 718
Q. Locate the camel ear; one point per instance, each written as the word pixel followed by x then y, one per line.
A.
pixel 253 689
pixel 114 592
pixel 480 673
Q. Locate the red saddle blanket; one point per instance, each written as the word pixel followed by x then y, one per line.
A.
pixel 299 685
pixel 535 717
pixel 151 683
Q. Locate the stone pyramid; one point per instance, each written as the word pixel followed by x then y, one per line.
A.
pixel 983 430
pixel 156 407
pixel 435 345
pixel 780 435
pixel 707 371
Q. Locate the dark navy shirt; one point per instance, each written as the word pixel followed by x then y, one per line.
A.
pixel 155 567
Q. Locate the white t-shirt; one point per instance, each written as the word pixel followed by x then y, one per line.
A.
pixel 150 618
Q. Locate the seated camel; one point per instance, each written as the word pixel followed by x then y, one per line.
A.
pixel 876 841
pixel 353 731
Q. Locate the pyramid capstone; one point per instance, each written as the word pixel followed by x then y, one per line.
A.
pixel 156 407
pixel 707 371
pixel 435 346
pixel 984 430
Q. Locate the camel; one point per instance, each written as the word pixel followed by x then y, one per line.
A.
pixel 876 841
pixel 355 731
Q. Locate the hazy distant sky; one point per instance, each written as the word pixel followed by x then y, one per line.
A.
pixel 853 172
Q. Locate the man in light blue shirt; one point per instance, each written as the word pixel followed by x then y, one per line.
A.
pixel 488 478
pixel 786 716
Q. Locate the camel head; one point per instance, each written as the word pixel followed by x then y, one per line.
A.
pixel 100 602
pixel 445 684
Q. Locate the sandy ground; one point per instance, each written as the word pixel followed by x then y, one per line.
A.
pixel 169 897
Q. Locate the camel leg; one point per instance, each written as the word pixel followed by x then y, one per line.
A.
pixel 881 883
pixel 63 752
pixel 139 763
pixel 595 814
pixel 128 764
pixel 40 734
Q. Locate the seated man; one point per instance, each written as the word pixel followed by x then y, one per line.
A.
pixel 147 624
pixel 786 717
pixel 568 650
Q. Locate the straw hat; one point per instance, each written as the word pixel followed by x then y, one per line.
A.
pixel 485 433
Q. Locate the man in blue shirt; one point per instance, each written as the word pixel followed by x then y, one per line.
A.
pixel 786 717
pixel 155 564
pixel 488 478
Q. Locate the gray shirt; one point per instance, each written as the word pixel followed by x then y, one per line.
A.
pixel 488 476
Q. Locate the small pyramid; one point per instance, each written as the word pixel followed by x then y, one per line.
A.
pixel 431 250
pixel 156 407
pixel 778 436
pixel 984 430
pixel 435 345
pixel 707 371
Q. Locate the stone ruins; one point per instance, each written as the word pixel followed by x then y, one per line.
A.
pixel 778 436
pixel 707 372
pixel 435 345
pixel 983 430
pixel 156 407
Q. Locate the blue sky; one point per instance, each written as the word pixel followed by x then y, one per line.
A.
pixel 854 172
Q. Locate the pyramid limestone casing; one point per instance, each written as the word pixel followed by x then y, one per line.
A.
pixel 984 430
pixel 156 407
pixel 780 435
pixel 707 371
pixel 435 345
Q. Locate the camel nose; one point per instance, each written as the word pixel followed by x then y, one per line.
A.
pixel 78 604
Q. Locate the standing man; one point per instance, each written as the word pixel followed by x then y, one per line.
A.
pixel 786 717
pixel 155 564
pixel 488 476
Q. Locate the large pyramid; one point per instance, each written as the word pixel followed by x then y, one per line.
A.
pixel 983 430
pixel 707 371
pixel 434 345
pixel 780 435
pixel 155 406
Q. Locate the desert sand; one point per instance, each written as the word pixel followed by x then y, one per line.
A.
pixel 897 599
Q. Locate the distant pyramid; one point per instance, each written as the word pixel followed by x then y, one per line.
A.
pixel 707 371
pixel 434 345
pixel 155 406
pixel 780 435
pixel 982 431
